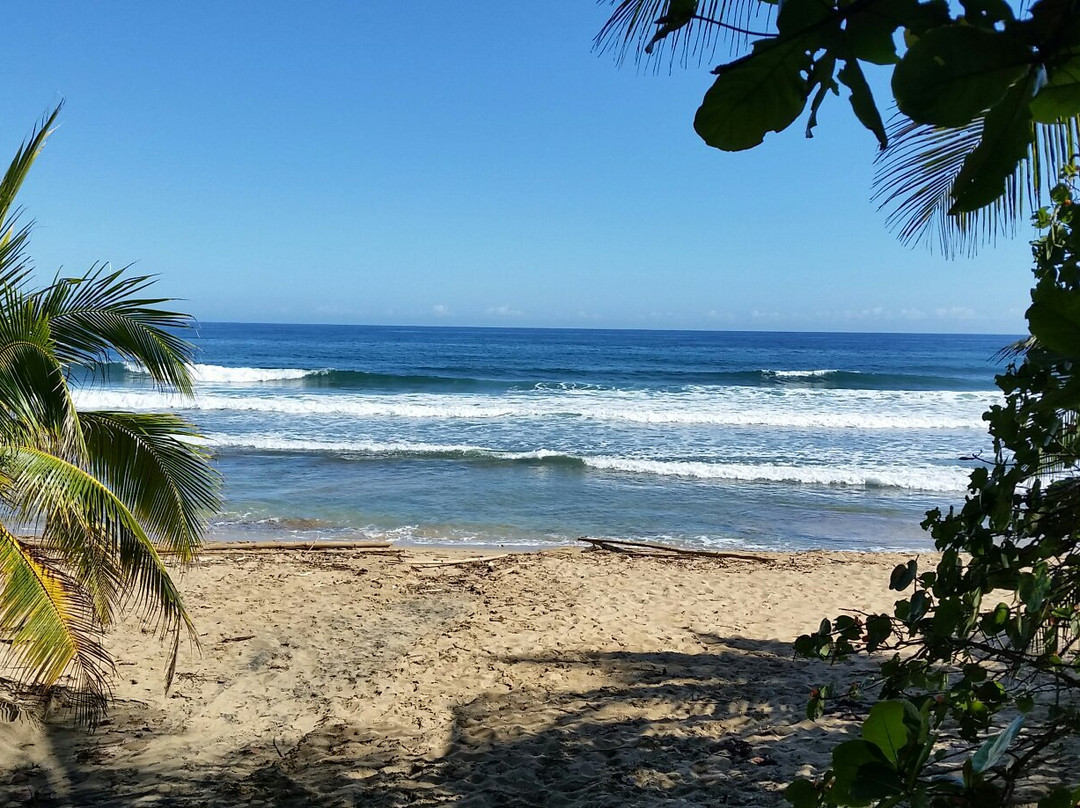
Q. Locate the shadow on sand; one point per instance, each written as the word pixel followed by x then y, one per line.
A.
pixel 660 729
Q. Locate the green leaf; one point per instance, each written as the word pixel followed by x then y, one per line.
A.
pixel 759 93
pixel 870 30
pixel 986 12
pixel 822 76
pixel 918 605
pixel 796 16
pixel 1062 797
pixel 951 75
pixel 1054 319
pixel 1006 137
pixel 1060 96
pixel 878 629
pixel 994 748
pixel 903 575
pixel 863 774
pixel 871 40
pixel 802 794
pixel 862 100
pixel 891 725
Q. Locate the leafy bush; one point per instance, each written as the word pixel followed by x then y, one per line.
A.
pixel 991 636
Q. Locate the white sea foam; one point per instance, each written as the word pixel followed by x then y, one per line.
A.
pixel 923 478
pixel 801 374
pixel 727 406
pixel 275 443
pixel 919 477
pixel 218 374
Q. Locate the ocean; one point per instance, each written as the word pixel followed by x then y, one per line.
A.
pixel 533 437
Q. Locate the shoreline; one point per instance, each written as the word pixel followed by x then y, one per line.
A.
pixel 274 538
pixel 419 677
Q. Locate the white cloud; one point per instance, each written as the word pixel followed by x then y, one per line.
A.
pixel 955 313
pixel 440 309
pixel 757 314
pixel 504 311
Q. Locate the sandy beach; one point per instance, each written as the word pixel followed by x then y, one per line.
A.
pixel 559 678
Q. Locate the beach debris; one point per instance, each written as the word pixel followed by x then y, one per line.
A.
pixel 243 546
pixel 651 549
pixel 457 561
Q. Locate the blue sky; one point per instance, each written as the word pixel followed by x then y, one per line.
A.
pixel 451 163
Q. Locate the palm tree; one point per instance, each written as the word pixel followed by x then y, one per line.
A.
pixel 107 497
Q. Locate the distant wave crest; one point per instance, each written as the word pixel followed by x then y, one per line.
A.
pixel 477 380
pixel 805 374
pixel 218 374
pixel 801 409
pixel 926 478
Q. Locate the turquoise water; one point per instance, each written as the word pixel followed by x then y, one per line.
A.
pixel 532 437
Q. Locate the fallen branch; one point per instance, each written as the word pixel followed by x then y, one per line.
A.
pixel 237 639
pixel 648 548
pixel 456 561
pixel 235 546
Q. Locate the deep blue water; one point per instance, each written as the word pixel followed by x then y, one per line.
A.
pixel 533 436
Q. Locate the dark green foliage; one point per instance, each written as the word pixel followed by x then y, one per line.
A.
pixel 979 661
pixel 994 681
pixel 988 91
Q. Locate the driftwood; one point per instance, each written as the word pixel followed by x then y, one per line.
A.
pixel 244 638
pixel 240 546
pixel 648 548
pixel 457 561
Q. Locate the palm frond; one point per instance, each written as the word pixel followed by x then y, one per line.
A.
pixel 24 158
pixel 915 174
pixel 89 556
pixel 632 28
pixel 163 479
pixel 13 262
pixel 98 315
pixel 42 483
pixel 35 401
pixel 15 265
pixel 103 490
pixel 50 629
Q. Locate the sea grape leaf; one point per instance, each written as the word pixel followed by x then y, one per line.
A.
pixel 1006 136
pixel 797 16
pixel 862 100
pixel 994 749
pixel 869 32
pixel 1054 319
pixel 891 726
pixel 986 12
pixel 952 74
pixel 876 781
pixel 921 17
pixel 762 92
pixel 903 575
pixel 1060 96
pixel 1052 20
pixel 822 75
pixel 1062 797
pixel 863 774
pixel 878 629
pixel 802 794
pixel 869 37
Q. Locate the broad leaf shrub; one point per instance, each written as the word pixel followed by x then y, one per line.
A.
pixel 979 683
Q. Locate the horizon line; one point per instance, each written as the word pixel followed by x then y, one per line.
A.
pixel 459 327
